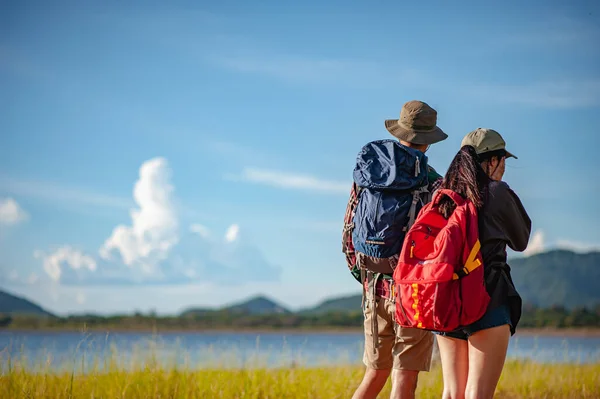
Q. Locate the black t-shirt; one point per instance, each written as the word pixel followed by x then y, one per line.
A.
pixel 502 221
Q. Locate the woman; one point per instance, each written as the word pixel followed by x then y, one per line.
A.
pixel 473 356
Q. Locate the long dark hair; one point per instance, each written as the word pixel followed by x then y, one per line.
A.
pixel 466 177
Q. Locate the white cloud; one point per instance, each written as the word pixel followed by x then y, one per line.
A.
pixel 14 278
pixel 65 257
pixel 33 278
pixel 577 246
pixel 304 69
pixel 559 94
pixel 201 230
pixel 536 244
pixel 80 298
pixel 556 33
pixel 54 192
pixel 294 181
pixel 233 150
pixel 232 233
pixel 13 275
pixel 10 212
pixel 153 230
pixel 153 251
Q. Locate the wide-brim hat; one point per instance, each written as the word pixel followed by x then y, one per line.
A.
pixel 417 124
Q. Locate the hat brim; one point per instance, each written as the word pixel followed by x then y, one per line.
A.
pixel 511 155
pixel 432 136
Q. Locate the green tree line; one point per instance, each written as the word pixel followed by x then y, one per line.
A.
pixel 533 317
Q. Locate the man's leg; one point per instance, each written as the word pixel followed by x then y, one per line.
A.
pixel 404 384
pixel 372 383
pixel 378 349
pixel 454 353
pixel 411 353
pixel 487 353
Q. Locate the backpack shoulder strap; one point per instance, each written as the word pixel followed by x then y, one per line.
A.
pixel 412 213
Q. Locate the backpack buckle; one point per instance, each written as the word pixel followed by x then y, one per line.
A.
pixel 461 273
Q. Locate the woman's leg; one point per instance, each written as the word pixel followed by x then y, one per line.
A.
pixel 487 352
pixel 454 353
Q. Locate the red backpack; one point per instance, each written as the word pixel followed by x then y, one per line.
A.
pixel 439 278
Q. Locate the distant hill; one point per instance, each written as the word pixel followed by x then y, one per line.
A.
pixel 252 306
pixel 554 278
pixel 196 312
pixel 258 305
pixel 558 277
pixel 344 304
pixel 10 304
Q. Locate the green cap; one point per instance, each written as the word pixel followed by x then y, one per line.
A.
pixel 485 140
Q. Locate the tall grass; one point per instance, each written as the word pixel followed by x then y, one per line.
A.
pixel 149 374
pixel 519 380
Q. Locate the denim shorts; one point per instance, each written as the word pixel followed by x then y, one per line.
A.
pixel 498 316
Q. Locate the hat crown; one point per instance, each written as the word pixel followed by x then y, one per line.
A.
pixel 484 140
pixel 418 115
pixel 417 124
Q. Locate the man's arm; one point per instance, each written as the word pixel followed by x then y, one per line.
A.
pixel 435 179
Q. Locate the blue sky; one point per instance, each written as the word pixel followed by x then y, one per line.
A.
pixel 162 156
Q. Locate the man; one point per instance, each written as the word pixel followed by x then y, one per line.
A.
pixel 390 349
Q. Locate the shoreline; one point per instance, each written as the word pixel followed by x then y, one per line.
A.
pixel 583 332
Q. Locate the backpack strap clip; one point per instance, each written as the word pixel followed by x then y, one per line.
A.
pixel 471 264
pixel 460 274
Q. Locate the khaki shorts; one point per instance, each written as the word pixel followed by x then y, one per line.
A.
pixel 399 348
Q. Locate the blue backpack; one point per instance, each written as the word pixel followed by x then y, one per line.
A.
pixel 392 183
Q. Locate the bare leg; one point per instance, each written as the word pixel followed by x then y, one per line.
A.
pixel 372 383
pixel 454 353
pixel 487 352
pixel 404 384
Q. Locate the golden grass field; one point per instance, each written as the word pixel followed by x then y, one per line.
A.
pixel 519 380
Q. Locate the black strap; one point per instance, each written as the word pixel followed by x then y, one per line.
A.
pixel 462 272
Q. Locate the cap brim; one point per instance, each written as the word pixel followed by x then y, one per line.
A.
pixel 415 136
pixel 511 155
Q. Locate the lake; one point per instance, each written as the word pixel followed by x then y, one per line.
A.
pixel 60 350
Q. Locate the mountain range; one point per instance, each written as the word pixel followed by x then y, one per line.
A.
pixel 11 304
pixel 554 278
pixel 255 305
